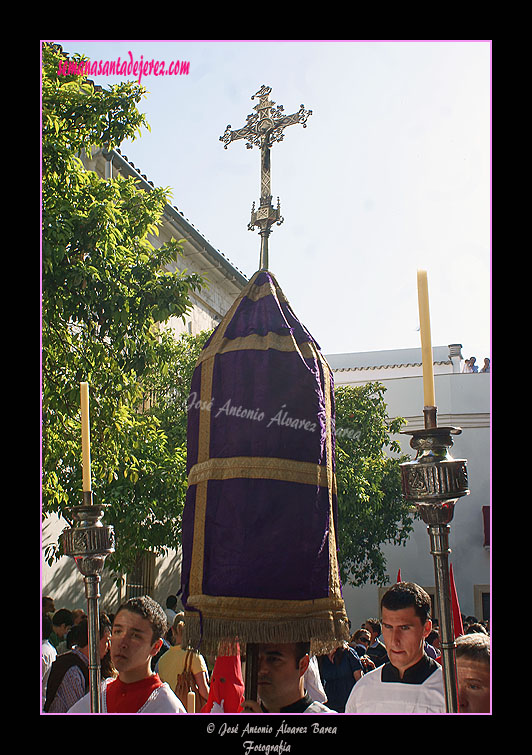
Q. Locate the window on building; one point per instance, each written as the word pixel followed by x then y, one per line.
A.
pixel 485 606
pixel 482 602
pixel 141 579
pixel 486 523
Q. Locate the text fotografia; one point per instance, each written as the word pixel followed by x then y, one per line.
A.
pixel 120 67
pixel 284 729
pixel 281 418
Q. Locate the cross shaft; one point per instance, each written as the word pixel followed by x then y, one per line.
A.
pixel 263 128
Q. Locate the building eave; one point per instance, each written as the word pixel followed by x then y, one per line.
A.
pixel 216 258
pixel 384 366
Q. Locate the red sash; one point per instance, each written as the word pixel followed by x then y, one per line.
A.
pixel 128 698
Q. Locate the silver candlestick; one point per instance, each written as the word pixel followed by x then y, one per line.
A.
pixel 89 542
pixel 433 482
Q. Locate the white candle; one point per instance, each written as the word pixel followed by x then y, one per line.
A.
pixel 85 437
pixel 426 345
pixel 191 702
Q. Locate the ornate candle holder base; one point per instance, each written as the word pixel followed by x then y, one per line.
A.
pixel 89 543
pixel 433 482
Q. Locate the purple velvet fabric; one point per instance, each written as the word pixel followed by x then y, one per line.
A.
pixel 266 539
pixel 263 538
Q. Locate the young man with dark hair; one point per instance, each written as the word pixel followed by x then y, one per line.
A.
pixel 171 609
pixel 280 681
pixel 376 650
pixel 138 630
pixel 410 682
pixel 48 606
pixel 62 620
pixel 68 680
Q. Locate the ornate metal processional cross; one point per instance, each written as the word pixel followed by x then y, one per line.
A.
pixel 262 129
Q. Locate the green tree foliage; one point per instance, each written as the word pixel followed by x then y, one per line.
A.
pixel 149 495
pixel 167 384
pixel 105 291
pixel 371 508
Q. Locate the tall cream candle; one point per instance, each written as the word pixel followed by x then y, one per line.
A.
pixel 85 437
pixel 426 345
pixel 191 702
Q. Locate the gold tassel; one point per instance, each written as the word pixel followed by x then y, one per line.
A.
pixel 215 635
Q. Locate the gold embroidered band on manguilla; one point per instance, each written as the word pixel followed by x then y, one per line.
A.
pixel 260 468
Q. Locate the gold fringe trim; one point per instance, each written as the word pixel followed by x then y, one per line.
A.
pixel 213 636
pixel 264 609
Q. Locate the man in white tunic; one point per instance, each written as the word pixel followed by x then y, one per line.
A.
pixel 138 629
pixel 410 682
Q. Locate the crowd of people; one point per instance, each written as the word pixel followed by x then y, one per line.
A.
pixel 470 365
pixel 390 665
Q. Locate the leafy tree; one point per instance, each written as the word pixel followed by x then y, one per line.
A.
pixel 105 292
pixel 148 494
pixel 371 508
pixel 167 384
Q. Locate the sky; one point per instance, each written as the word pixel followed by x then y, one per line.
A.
pixel 392 174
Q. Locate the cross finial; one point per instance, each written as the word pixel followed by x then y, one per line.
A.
pixel 262 129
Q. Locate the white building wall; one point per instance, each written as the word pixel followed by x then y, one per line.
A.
pixel 63 582
pixel 463 401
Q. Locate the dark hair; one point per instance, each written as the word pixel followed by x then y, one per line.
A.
pixel 476 628
pixel 359 634
pixel 302 649
pixel 407 595
pixel 432 635
pixel 63 616
pixel 47 627
pixel 148 609
pixel 374 624
pixel 171 601
pixel 79 634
